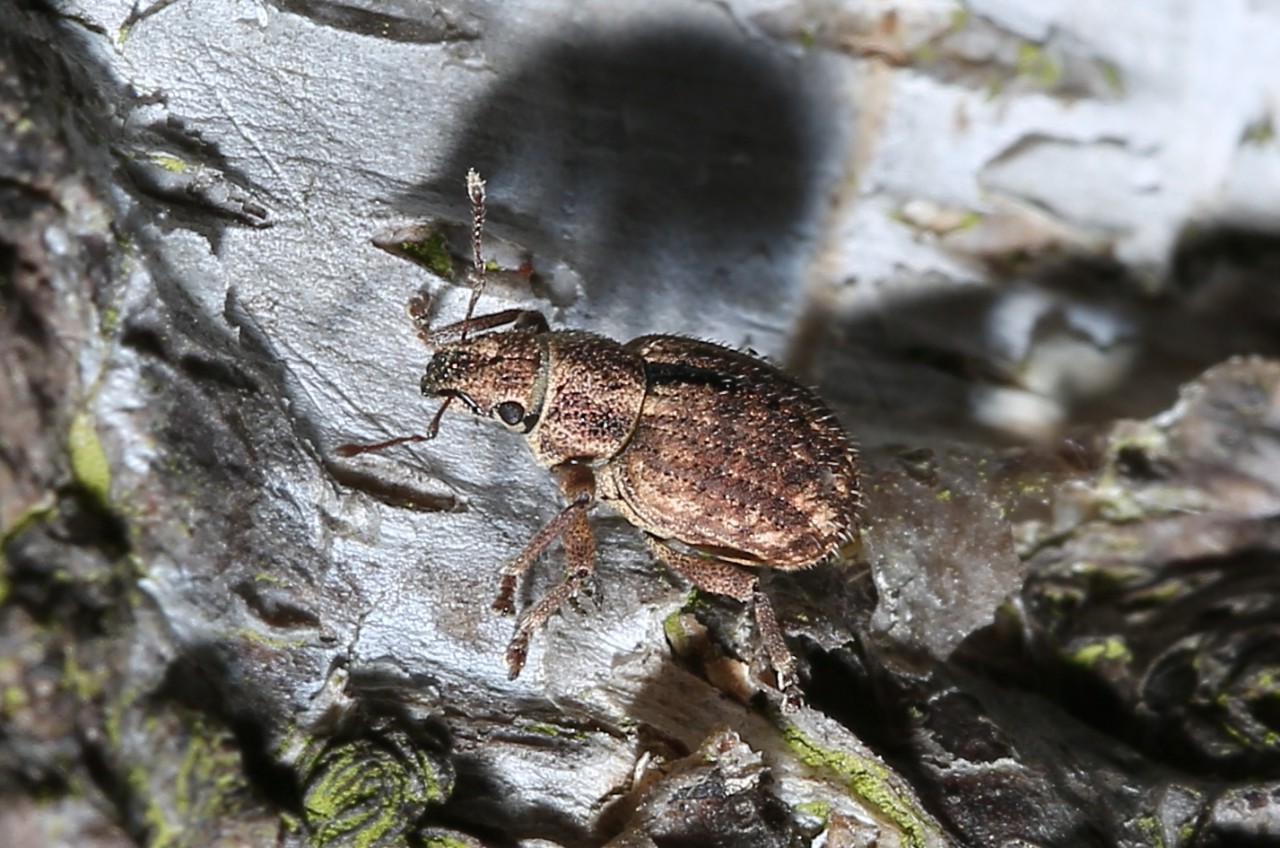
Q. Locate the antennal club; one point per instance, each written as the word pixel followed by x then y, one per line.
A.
pixel 475 191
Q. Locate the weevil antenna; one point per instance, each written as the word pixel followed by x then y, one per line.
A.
pixel 475 191
pixel 419 311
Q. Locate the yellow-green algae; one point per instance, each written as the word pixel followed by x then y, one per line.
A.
pixel 109 320
pixel 1151 830
pixel 867 778
pixel 85 684
pixel 33 514
pixel 675 633
pixel 170 163
pixel 1260 132
pixel 433 252
pixel 544 729
pixel 270 579
pixel 1112 648
pixel 209 773
pixel 13 701
pixel 1034 62
pixel 439 841
pixel 1111 74
pixel 89 463
pixel 821 810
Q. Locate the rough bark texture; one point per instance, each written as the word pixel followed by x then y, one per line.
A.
pixel 1048 311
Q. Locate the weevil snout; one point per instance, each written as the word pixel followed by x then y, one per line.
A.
pixel 500 375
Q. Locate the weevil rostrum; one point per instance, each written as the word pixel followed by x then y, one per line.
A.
pixel 725 463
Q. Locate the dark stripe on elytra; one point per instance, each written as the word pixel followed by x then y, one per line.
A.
pixel 667 373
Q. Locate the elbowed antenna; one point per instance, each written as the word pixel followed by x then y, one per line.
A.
pixel 475 191
pixel 419 312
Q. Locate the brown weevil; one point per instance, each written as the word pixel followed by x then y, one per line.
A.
pixel 724 462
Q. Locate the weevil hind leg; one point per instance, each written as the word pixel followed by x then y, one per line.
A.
pixel 734 581
pixel 578 484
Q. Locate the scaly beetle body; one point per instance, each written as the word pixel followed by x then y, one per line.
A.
pixel 722 460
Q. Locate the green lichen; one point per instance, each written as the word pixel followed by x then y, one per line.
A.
pixel 1112 649
pixel 116 711
pixel 866 778
pixel 1113 78
pixel 1259 132
pixel 110 318
pixel 29 517
pixel 89 463
pixel 170 163
pixel 363 793
pixel 125 242
pixel 14 700
pixel 162 832
pixel 273 642
pixel 209 775
pixel 270 579
pixel 677 636
pixel 431 252
pixel 1034 62
pixel 349 802
pixel 87 685
pixel 1150 830
pixel 442 841
pixel 544 729
pixel 925 54
pixel 821 810
pixel 1161 594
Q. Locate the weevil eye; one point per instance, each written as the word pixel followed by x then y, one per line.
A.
pixel 510 412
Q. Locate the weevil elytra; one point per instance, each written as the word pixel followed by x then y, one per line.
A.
pixel 725 463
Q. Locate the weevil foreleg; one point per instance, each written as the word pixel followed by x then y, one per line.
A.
pixel 725 578
pixel 578 484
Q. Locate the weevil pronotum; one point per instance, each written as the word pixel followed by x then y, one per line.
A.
pixel 724 462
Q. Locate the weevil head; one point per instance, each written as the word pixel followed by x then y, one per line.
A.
pixel 497 375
